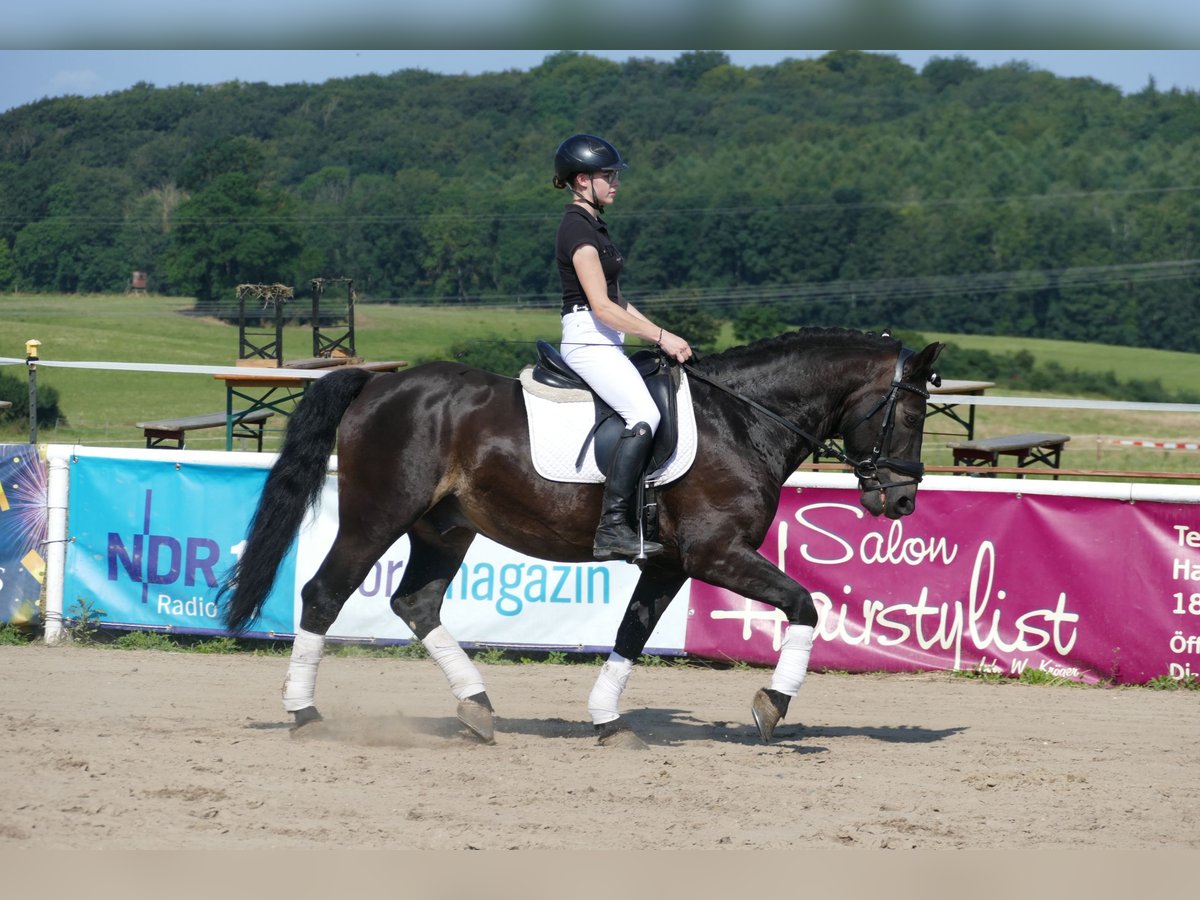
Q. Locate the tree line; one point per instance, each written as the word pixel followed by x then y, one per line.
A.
pixel 850 189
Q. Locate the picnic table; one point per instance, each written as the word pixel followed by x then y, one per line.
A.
pixel 280 389
pixel 246 424
pixel 960 388
pixel 1028 448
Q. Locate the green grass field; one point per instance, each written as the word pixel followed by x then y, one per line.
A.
pixel 101 407
pixel 1177 371
pixel 1094 433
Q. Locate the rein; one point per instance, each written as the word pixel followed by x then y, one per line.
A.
pixel 865 468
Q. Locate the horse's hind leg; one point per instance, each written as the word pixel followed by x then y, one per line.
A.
pixel 345 566
pixel 433 561
pixel 653 594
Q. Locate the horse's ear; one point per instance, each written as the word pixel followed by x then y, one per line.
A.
pixel 920 365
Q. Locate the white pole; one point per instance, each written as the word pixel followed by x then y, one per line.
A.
pixel 57 490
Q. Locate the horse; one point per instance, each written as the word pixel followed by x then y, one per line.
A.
pixel 441 452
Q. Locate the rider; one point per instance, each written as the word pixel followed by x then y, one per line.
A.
pixel 595 320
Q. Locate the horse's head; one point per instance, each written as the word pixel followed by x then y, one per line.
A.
pixel 883 430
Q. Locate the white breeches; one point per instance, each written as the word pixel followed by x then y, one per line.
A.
pixel 594 351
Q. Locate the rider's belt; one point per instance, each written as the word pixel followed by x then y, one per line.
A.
pixel 579 307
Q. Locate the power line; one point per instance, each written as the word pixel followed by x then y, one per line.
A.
pixel 616 215
pixel 1024 280
pixel 971 283
pixel 814 294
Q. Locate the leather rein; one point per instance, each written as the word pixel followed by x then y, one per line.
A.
pixel 864 469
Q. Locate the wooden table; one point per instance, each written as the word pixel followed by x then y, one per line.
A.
pixel 245 425
pixel 1028 448
pixel 279 390
pixel 950 410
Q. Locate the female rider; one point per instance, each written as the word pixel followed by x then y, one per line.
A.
pixel 595 320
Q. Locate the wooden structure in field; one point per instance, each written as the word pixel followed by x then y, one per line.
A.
pixel 328 342
pixel 256 338
pixel 260 334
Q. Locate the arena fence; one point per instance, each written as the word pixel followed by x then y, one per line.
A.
pixel 1091 581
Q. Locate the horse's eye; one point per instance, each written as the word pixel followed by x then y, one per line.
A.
pixel 912 420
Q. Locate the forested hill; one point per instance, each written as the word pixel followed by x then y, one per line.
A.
pixel 849 189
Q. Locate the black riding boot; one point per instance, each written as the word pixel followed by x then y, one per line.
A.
pixel 615 537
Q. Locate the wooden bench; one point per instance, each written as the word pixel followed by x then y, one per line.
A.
pixel 245 425
pixel 1028 448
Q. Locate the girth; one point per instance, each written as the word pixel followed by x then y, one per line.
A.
pixel 662 381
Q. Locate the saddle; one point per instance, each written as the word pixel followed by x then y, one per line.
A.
pixel 662 380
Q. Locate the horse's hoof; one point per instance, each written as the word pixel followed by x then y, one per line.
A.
pixel 619 735
pixel 302 717
pixel 477 714
pixel 768 708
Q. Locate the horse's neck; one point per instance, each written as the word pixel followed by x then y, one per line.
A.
pixel 812 394
pixel 814 390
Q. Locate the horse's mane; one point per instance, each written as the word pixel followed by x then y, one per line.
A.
pixel 792 343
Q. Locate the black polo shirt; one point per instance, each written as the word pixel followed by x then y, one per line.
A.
pixel 579 227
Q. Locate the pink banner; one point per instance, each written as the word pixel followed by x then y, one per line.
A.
pixel 1086 589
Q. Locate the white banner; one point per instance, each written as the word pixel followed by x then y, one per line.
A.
pixel 499 597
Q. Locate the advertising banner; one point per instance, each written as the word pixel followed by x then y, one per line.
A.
pixel 151 538
pixel 1082 588
pixel 498 597
pixel 22 532
pixel 986 575
pixel 150 541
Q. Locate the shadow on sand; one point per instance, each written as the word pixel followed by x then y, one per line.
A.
pixel 656 727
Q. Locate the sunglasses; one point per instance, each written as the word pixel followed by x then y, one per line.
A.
pixel 612 176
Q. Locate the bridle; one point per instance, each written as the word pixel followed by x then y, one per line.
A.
pixel 865 469
pixel 869 468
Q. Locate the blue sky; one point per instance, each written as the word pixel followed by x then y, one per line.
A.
pixel 30 75
pixel 284 24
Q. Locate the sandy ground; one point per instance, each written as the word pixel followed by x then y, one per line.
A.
pixel 143 750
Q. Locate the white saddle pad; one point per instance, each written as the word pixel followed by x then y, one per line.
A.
pixel 559 422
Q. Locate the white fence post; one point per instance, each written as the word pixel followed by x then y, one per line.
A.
pixel 57 490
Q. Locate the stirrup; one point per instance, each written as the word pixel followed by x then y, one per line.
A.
pixel 645 552
pixel 627 551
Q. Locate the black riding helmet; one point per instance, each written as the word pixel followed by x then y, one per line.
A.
pixel 584 153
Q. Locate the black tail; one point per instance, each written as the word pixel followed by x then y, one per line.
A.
pixel 293 486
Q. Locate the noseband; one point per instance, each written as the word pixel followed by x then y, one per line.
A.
pixel 864 469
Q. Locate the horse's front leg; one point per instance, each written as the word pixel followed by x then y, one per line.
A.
pixel 653 594
pixel 743 570
pixel 433 561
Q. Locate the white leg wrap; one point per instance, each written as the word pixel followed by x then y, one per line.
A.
pixel 605 700
pixel 793 660
pixel 300 685
pixel 465 680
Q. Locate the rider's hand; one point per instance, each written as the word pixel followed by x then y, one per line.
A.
pixel 675 346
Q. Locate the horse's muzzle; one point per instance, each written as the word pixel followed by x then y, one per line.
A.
pixel 890 490
pixel 904 503
pixel 893 502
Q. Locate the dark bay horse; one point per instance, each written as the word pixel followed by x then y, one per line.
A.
pixel 441 453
